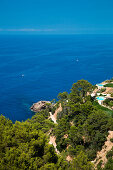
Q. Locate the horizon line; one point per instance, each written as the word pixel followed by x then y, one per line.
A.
pixel 60 31
pixel 27 30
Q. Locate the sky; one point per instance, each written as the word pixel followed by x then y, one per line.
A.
pixel 56 16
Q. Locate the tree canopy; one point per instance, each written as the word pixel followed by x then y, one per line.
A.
pixel 81 130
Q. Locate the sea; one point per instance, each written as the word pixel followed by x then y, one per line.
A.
pixel 38 67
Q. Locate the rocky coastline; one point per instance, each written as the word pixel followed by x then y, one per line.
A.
pixel 36 107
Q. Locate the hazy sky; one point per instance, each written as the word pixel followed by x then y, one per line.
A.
pixel 56 16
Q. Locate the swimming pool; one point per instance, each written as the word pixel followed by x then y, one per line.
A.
pixel 101 85
pixel 100 98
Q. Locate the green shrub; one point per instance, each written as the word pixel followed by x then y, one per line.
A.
pixel 109 164
pixel 99 165
pixel 102 90
pixel 91 154
pixel 53 110
pixel 108 102
pixel 108 85
pixel 109 154
pixel 111 139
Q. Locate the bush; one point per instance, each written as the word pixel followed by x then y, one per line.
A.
pixel 91 154
pixel 53 110
pixel 108 102
pixel 109 164
pixel 109 154
pixel 111 139
pixel 108 85
pixel 99 165
pixel 102 90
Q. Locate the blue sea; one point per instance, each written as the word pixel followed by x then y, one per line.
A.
pixel 38 67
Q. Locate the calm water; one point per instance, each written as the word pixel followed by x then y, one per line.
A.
pixel 34 67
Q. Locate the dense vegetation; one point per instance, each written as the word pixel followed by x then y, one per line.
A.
pixel 108 102
pixel 85 124
pixel 24 145
pixel 108 85
pixel 104 109
pixel 81 130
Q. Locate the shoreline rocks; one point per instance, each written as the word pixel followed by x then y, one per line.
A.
pixel 36 107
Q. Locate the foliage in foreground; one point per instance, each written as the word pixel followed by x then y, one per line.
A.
pixel 81 131
pixel 24 147
pixel 85 122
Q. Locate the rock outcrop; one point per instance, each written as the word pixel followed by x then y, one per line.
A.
pixel 36 107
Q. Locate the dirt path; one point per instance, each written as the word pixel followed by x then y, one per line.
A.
pixel 52 141
pixel 69 158
pixel 102 154
pixel 54 116
pixel 54 119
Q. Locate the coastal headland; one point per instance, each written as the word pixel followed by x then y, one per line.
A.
pixel 75 131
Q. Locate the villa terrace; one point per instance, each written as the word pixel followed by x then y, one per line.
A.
pixel 103 92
